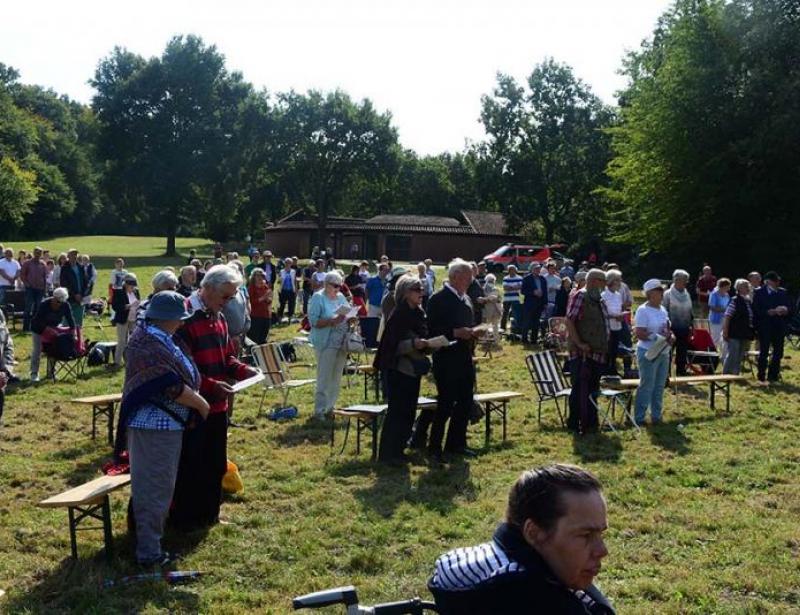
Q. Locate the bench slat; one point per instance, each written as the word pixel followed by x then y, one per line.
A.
pixel 98 399
pixel 87 493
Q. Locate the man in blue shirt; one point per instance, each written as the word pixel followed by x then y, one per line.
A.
pixel 771 309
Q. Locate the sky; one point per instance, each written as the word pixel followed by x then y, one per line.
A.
pixel 428 62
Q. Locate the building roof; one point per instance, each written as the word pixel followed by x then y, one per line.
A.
pixel 413 220
pixel 478 223
pixel 485 222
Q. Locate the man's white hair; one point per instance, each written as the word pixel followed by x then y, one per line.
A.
pixel 220 275
pixel 458 266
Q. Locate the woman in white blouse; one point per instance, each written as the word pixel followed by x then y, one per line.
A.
pixel 616 315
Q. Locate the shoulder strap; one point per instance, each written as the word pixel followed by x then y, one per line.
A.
pixel 183 422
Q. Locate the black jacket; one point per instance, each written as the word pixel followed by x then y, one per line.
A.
pixel 530 283
pixel 445 313
pixel 45 316
pixel 121 306
pixel 764 300
pixel 74 285
pixel 507 577
pixel 474 292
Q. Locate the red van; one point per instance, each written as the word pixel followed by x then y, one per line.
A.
pixel 522 256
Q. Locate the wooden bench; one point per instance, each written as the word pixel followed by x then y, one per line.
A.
pixel 102 405
pixel 497 403
pixel 367 417
pixel 89 501
pixel 371 375
pixel 716 383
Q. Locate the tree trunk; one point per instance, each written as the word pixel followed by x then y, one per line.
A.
pixel 171 230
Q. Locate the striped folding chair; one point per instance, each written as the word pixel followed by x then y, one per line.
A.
pixel 269 361
pixel 549 380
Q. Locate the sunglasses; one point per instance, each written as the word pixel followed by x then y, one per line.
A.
pixel 226 298
pixel 335 285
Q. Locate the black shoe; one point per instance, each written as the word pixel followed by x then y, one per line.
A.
pixel 163 561
pixel 463 452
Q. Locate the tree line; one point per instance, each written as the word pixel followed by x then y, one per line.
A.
pixel 700 156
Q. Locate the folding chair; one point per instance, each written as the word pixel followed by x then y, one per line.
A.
pixel 63 366
pixel 549 381
pixel 269 361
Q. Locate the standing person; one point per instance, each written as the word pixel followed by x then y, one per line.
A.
pixel 567 271
pixel 50 268
pixel 678 303
pixel 318 279
pixel 118 274
pixel 375 289
pixel 431 273
pixel 534 293
pixel 541 560
pixel 308 284
pixel 270 270
pixel 427 286
pixel 450 314
pixel 125 304
pixel 553 282
pixel 706 283
pixel 400 356
pixel 187 282
pixel 587 326
pixel 616 316
pixel 204 456
pixel 475 294
pixel 737 327
pixel 91 277
pixel 718 302
pixel 9 272
pixel 73 278
pixel 260 306
pixel 33 274
pixel 255 262
pixel 771 309
pixel 512 283
pixel 492 312
pixel 562 296
pixel 754 277
pixel 61 260
pixel 650 325
pixel 237 315
pixel 355 283
pixel 47 319
pixel 160 399
pixel 328 337
pixel 288 294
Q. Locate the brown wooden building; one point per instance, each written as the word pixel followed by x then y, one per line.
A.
pixel 401 237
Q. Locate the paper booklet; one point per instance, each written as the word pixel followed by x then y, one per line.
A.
pixel 347 311
pixel 243 384
pixel 440 341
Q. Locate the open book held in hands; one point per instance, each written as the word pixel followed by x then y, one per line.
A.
pixel 347 311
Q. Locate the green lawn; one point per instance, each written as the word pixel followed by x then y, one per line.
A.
pixel 702 519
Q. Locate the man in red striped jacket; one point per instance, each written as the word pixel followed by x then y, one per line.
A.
pixel 198 488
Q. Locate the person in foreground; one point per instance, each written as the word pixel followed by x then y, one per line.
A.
pixel 542 559
pixel 159 400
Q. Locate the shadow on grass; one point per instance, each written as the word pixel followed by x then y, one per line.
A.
pixel 669 437
pixel 314 431
pixel 79 586
pixel 600 446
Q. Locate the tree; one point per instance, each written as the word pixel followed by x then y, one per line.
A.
pixel 548 149
pixel 166 124
pixel 708 141
pixel 334 143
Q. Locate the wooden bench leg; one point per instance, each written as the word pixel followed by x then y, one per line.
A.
pixel 73 539
pixel 713 396
pixel 91 512
pixel 374 427
pixel 108 537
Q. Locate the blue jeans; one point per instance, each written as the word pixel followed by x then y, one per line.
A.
pixel 33 296
pixel 652 379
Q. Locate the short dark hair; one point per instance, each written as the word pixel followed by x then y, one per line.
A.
pixel 772 275
pixel 537 493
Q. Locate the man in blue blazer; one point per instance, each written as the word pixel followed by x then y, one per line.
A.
pixel 771 310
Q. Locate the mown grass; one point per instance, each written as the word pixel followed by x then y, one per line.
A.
pixel 702 519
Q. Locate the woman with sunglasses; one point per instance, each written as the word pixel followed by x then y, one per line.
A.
pixel 400 356
pixel 329 330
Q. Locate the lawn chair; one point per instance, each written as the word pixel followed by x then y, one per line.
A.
pixel 551 384
pixel 556 336
pixel 549 380
pixel 269 361
pixel 64 358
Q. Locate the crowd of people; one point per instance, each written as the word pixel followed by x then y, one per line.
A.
pixel 183 345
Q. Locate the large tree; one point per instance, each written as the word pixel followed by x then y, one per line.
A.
pixel 334 143
pixel 548 149
pixel 166 127
pixel 707 155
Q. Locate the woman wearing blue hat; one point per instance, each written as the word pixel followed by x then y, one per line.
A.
pixel 160 399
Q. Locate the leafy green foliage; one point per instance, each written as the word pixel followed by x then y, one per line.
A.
pixel 707 144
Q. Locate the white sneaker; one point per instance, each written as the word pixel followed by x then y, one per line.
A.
pixel 34 377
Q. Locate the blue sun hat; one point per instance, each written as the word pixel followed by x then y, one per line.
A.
pixel 167 305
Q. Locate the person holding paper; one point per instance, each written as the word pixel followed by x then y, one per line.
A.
pixel 651 324
pixel 401 357
pixel 327 314
pixel 125 302
pixel 450 313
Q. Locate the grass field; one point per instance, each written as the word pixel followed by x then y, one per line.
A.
pixel 703 519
